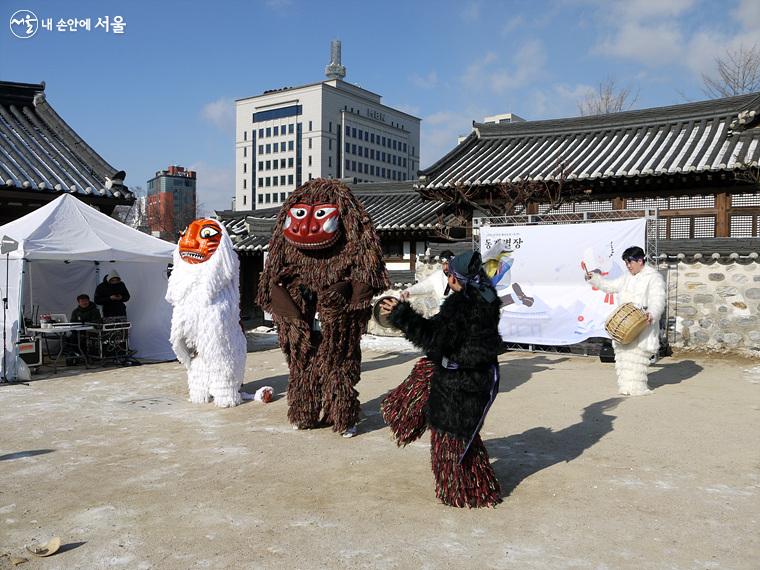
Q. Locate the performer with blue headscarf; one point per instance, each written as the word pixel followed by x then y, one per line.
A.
pixel 462 342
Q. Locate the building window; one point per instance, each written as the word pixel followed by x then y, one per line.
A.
pixel 245 168
pixel 353 165
pixel 274 164
pixel 353 129
pixel 269 164
pixel 329 127
pixel 260 198
pixel 245 184
pixel 245 151
pixel 290 162
pixel 310 144
pixel 329 161
pixel 282 163
pixel 348 164
pixel 353 149
pixel 245 135
pixel 361 134
pixel 261 182
pixel 309 175
pixel 268 182
pixel 269 131
pixel 277 131
pixel 329 144
pixel 268 198
pixel 269 148
pixel 290 129
pixel 372 138
pixel 310 125
pixel 282 196
pixel 290 145
pixel 366 136
pixel 348 131
pixel 309 160
pixel 282 146
pixel 348 147
pixel 244 197
pixel 393 250
pixel 261 133
pixel 261 165
pixel 261 149
pixel 282 180
pixel 290 179
pixel 275 181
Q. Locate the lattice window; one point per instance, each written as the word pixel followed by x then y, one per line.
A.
pixel 594 206
pixel 704 227
pixel 692 202
pixel 646 203
pixel 680 228
pixel 661 229
pixel 748 199
pixel 741 226
pixel 563 209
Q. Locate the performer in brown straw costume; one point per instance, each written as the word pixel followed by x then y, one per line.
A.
pixel 324 259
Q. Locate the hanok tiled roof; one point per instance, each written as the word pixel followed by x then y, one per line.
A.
pixel 392 206
pixel 717 135
pixel 39 152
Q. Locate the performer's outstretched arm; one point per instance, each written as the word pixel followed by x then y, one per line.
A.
pixel 431 335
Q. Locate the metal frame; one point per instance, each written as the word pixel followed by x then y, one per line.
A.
pixel 651 248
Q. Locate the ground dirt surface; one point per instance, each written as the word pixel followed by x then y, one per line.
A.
pixel 131 475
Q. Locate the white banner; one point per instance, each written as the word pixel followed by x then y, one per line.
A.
pixel 539 277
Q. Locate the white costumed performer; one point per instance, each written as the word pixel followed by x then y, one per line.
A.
pixel 206 335
pixel 643 286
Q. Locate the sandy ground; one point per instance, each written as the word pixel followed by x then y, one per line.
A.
pixel 130 475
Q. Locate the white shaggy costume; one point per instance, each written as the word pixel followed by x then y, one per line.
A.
pixel 646 290
pixel 206 334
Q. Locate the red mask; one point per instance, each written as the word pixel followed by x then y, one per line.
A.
pixel 312 226
pixel 200 240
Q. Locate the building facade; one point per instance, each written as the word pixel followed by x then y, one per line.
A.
pixel 331 129
pixel 171 202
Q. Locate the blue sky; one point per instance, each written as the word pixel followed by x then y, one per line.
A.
pixel 162 93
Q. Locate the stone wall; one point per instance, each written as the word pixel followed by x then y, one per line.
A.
pixel 714 305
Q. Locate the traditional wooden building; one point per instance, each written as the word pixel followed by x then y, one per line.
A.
pixel 696 163
pixel 41 157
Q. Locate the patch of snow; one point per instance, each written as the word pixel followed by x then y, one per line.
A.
pixel 387 344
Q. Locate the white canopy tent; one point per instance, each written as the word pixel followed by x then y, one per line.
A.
pixel 66 248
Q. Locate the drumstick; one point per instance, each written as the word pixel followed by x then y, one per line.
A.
pixel 583 266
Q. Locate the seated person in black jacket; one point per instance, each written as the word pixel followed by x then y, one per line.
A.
pixel 111 294
pixel 86 312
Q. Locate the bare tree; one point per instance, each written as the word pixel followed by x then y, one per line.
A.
pixel 738 72
pixel 607 98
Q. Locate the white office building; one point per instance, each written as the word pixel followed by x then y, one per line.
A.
pixel 330 129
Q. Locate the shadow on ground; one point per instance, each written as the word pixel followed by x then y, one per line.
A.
pixel 518 371
pixel 673 373
pixel 519 456
pixel 20 454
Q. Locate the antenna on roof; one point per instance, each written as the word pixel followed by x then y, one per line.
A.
pixel 335 70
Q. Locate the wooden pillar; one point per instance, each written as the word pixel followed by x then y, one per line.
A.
pixel 722 221
pixel 412 252
pixel 618 203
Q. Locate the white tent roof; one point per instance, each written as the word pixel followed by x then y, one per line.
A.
pixel 69 229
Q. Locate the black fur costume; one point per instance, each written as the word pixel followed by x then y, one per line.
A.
pixel 466 332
